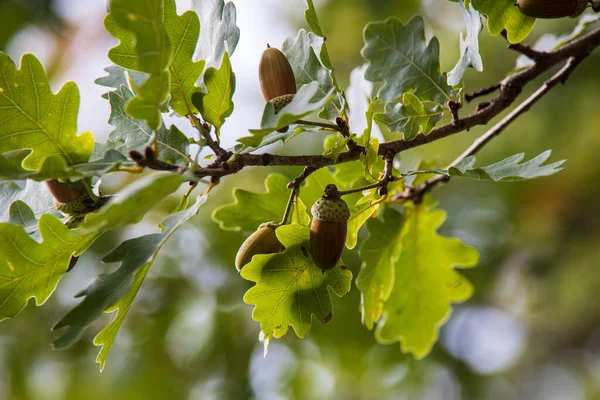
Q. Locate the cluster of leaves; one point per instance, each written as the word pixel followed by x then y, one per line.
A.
pixel 166 62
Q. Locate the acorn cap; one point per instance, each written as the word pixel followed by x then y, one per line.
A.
pixel 330 207
pixel 275 74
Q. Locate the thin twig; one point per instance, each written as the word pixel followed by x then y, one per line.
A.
pixel 482 92
pixel 416 194
pixel 383 183
pixel 288 207
pixel 325 125
pixel 204 129
pixel 524 49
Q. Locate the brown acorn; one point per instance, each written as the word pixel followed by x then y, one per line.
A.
pixel 263 241
pixel 62 192
pixel 552 8
pixel 276 77
pixel 328 228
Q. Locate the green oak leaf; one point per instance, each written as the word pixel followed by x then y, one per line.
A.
pixel 308 67
pixel 124 54
pixel 469 47
pixel 134 134
pixel 11 165
pixel 509 169
pixel 300 107
pixel 133 202
pixel 31 269
pixel 110 162
pixel 216 104
pixel 219 33
pixel 250 209
pixel 183 30
pixel 320 48
pixel 116 290
pixel 379 253
pixel 503 14
pixel 35 194
pixel 360 213
pixel 32 117
pixel 424 282
pixel 336 144
pixel 410 116
pixel 21 214
pixel 550 42
pixel 290 288
pixel 145 21
pixel 401 58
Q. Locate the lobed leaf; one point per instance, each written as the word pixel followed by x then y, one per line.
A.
pixel 303 52
pixel 183 31
pixel 400 57
pixel 290 289
pixel 32 117
pixel 31 269
pixel 410 117
pixel 503 14
pixel 219 33
pixel 250 209
pixel 142 24
pixel 115 291
pixel 408 278
pixel 133 202
pixel 509 169
pixel 216 104
pixel 131 133
pixel 469 47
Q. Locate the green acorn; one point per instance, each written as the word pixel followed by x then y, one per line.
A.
pixel 552 8
pixel 329 228
pixel 263 241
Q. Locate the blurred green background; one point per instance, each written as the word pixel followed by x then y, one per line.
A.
pixel 532 330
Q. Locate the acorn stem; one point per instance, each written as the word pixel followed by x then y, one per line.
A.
pixel 288 207
pixel 387 177
pixel 319 124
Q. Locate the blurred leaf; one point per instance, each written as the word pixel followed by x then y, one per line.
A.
pixel 11 165
pixel 216 104
pixel 132 202
pixel 134 134
pixel 369 114
pixel 379 253
pixel 550 42
pixel 145 21
pixel 423 280
pixel 410 116
pixel 359 94
pixel 303 53
pixel 35 194
pixel 219 33
pixel 250 209
pixel 183 31
pixel 32 117
pixel 117 290
pixel 503 14
pixel 399 56
pixel 509 169
pixel 31 269
pixel 299 107
pixel 469 47
pixel 111 162
pixel 290 288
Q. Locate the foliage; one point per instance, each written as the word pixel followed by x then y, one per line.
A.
pixel 166 63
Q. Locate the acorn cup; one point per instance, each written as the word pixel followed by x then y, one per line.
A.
pixel 263 241
pixel 277 80
pixel 328 228
pixel 552 8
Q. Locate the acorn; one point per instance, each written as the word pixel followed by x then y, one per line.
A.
pixel 552 8
pixel 328 228
pixel 263 241
pixel 62 192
